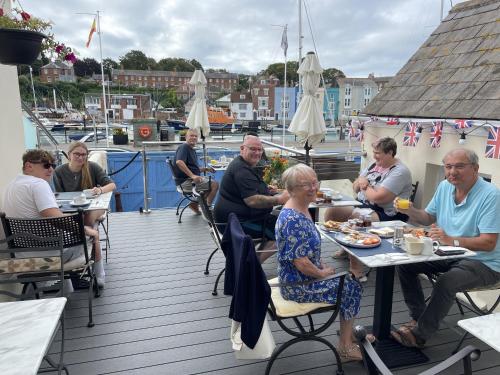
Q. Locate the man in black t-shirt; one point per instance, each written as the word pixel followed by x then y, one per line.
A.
pixel 188 171
pixel 243 192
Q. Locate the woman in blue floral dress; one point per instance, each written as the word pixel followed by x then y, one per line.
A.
pixel 299 257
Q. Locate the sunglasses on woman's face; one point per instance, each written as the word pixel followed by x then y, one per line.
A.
pixel 45 164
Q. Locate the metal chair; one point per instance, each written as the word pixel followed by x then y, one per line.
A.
pixel 414 191
pixel 243 266
pixel 373 363
pixel 186 195
pixel 43 270
pixel 103 222
pixel 73 231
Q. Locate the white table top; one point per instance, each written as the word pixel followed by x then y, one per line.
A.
pixel 344 202
pixel 394 258
pixel 27 331
pixel 485 328
pixel 98 202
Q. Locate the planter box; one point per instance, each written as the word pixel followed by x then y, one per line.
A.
pixel 18 47
pixel 120 139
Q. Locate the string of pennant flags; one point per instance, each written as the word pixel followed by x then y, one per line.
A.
pixel 413 130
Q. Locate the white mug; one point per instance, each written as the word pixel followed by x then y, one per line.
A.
pixel 429 246
pixel 80 199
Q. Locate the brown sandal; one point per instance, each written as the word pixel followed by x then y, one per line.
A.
pixel 405 337
pixel 350 354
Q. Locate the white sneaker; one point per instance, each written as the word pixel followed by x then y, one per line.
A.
pixel 100 282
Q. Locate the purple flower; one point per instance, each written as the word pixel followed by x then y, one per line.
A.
pixel 25 16
pixel 70 57
pixel 59 48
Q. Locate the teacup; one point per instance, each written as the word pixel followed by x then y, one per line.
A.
pixel 80 199
pixel 89 193
pixel 414 245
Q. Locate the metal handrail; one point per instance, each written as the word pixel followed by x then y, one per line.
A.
pixel 37 121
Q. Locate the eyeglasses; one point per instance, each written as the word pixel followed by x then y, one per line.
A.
pixel 78 155
pixel 45 164
pixel 309 185
pixel 254 149
pixel 458 166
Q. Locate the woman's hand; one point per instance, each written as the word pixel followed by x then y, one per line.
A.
pixel 327 270
pixel 97 190
pixel 363 183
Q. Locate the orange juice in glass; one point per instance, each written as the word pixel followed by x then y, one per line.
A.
pixel 403 204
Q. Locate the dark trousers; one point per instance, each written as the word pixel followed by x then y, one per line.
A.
pixel 457 275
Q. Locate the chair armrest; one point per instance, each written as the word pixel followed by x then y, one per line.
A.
pixel 334 276
pixel 469 350
pixel 360 335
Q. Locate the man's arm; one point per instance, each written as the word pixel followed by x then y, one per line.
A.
pixel 483 242
pixel 416 215
pixel 51 212
pixel 183 167
pixel 266 201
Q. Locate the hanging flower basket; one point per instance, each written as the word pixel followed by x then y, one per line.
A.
pixel 19 47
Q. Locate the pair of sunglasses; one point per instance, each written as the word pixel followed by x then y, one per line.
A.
pixel 45 164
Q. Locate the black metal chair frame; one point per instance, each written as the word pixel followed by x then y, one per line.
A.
pixel 73 231
pixel 472 306
pixel 414 191
pixel 303 332
pixel 373 362
pixel 33 276
pixel 103 221
pixel 186 195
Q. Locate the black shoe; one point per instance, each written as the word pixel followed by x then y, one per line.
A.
pixel 79 283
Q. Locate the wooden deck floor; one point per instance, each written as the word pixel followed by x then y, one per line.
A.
pixel 157 314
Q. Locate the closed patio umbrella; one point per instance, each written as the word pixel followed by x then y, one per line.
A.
pixel 198 115
pixel 308 123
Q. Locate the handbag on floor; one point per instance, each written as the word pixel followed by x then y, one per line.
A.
pixel 262 350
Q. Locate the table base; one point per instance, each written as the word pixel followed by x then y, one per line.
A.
pixel 393 354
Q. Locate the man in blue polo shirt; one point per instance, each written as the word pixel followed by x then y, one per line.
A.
pixel 463 212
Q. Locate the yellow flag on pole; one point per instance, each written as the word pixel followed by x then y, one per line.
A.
pixel 91 32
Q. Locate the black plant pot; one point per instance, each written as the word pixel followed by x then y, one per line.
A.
pixel 18 47
pixel 120 139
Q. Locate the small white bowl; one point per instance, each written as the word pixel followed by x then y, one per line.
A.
pixel 414 245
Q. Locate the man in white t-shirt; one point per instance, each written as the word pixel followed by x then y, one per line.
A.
pixel 29 196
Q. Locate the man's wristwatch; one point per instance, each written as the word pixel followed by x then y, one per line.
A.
pixel 456 243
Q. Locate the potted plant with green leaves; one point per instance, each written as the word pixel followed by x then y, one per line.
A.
pixel 23 38
pixel 120 136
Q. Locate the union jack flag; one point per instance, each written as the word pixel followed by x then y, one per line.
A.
pixel 436 134
pixel 392 121
pixel 493 143
pixel 411 137
pixel 463 124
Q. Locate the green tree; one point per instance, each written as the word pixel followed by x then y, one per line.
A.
pixel 331 75
pixel 278 70
pixel 108 65
pixel 243 82
pixel 178 64
pixel 135 60
pixel 86 67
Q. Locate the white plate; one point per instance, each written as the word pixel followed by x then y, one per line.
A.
pixel 73 203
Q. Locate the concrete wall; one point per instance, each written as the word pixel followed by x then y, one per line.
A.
pixel 11 127
pixel 425 162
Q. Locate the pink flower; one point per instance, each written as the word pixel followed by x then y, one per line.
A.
pixel 70 57
pixel 1 12
pixel 25 16
pixel 59 48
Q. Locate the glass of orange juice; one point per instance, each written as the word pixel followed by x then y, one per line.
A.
pixel 403 204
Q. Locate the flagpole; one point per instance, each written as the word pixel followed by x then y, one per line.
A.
pixel 102 80
pixel 284 90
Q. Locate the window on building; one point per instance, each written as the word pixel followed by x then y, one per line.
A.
pixel 348 90
pixel 131 101
pixel 242 96
pixel 242 107
pixel 116 101
pixel 242 114
pixel 262 81
pixel 139 78
pixel 263 102
pixel 347 102
pixel 368 91
pixel 256 91
pixel 366 101
pixel 266 92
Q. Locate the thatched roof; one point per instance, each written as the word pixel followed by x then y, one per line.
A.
pixel 454 74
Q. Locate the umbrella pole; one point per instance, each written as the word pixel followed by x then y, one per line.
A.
pixel 307 148
pixel 204 151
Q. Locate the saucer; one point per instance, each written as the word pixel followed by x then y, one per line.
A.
pixel 73 203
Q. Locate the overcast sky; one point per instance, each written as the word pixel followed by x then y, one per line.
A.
pixel 356 36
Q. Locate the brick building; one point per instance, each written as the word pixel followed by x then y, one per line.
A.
pixel 57 71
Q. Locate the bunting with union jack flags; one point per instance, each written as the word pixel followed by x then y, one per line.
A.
pixel 411 136
pixel 463 124
pixel 436 134
pixel 493 143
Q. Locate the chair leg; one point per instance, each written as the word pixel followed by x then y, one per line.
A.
pixel 105 228
pixel 180 204
pixel 287 344
pixel 460 308
pixel 209 260
pixel 214 291
pixel 182 211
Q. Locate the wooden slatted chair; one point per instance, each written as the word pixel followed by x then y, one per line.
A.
pixel 373 363
pixel 73 231
pixel 186 196
pixel 297 319
pixel 40 266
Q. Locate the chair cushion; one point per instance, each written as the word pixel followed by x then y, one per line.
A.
pixel 22 265
pixel 288 309
pixel 484 299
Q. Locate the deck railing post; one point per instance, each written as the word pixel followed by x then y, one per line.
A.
pixel 145 209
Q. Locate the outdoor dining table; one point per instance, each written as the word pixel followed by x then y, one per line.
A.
pixel 97 202
pixel 485 328
pixel 345 201
pixel 27 331
pixel 385 258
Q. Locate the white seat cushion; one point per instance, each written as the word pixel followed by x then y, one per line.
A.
pixel 288 309
pixel 484 299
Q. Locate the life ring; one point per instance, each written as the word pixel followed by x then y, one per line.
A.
pixel 145 131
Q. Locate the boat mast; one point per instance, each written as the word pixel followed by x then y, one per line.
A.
pixel 300 50
pixel 284 83
pixel 102 79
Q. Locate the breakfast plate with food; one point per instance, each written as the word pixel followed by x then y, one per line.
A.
pixel 358 239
